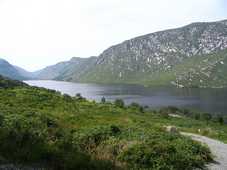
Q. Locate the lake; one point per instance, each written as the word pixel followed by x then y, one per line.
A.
pixel 207 100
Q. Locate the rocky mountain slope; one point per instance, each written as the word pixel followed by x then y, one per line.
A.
pixel 160 58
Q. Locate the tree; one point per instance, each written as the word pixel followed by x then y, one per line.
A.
pixel 207 116
pixel 78 96
pixel 196 116
pixel 137 106
pixel 220 119
pixel 103 100
pixel 67 97
pixel 141 109
pixel 119 103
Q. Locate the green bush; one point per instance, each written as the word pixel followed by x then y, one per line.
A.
pixel 197 116
pixel 207 117
pixel 22 139
pixel 137 107
pixel 103 100
pixel 220 119
pixel 89 139
pixel 166 153
pixel 119 103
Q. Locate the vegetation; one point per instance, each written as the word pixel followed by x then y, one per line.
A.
pixel 43 127
pixel 8 83
pixel 119 103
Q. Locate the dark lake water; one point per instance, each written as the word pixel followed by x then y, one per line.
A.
pixel 207 100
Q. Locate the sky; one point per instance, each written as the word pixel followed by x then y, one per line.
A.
pixel 38 33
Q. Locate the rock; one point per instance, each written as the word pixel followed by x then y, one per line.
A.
pixel 172 129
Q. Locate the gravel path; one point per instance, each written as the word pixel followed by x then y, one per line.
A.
pixel 218 149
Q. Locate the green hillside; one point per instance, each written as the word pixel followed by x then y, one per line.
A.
pixel 197 71
pixel 42 128
pixel 67 71
pixel 8 83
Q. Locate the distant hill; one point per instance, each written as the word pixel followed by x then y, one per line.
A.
pixel 25 73
pixel 71 70
pixel 51 72
pixel 10 71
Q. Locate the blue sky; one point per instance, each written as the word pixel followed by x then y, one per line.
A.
pixel 37 33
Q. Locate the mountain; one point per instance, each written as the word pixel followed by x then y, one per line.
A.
pixel 51 72
pixel 160 58
pixel 190 56
pixel 68 71
pixel 77 68
pixel 13 72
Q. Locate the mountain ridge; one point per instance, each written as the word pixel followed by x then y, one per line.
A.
pixel 153 59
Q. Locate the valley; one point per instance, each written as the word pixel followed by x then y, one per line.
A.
pixel 113 85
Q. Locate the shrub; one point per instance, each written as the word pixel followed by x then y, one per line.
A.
pixel 79 96
pixel 187 113
pixel 88 139
pixel 103 100
pixel 196 116
pixel 164 113
pixel 173 109
pixel 166 153
pixel 115 129
pixel 119 103
pixel 21 139
pixel 1 119
pixel 207 117
pixel 220 119
pixel 67 97
pixel 137 106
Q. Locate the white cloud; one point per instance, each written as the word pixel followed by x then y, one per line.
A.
pixel 35 33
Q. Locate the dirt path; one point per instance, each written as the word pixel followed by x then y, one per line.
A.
pixel 218 149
